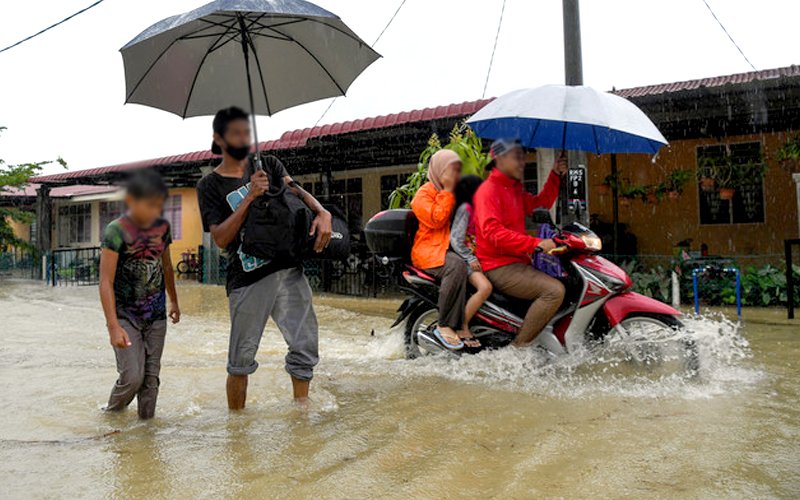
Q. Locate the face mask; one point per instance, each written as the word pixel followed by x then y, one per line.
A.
pixel 239 153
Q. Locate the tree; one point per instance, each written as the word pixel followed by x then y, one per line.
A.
pixel 13 177
pixel 464 142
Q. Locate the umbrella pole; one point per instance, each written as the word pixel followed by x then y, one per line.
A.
pixel 246 52
pixel 615 204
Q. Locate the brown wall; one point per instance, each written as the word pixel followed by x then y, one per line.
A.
pixel 659 227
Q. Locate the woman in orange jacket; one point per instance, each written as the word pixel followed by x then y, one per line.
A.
pixel 433 205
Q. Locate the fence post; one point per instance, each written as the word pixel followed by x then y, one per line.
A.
pixel 53 268
pixel 676 291
pixel 787 249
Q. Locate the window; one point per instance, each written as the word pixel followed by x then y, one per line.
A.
pixel 388 184
pixel 747 204
pixel 347 195
pixel 74 224
pixel 110 210
pixel 531 175
pixel 172 213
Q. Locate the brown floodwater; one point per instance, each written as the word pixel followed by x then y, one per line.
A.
pixel 507 424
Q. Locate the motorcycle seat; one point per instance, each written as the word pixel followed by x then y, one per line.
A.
pixel 422 274
pixel 519 307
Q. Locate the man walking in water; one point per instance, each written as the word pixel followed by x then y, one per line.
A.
pixel 504 249
pixel 277 288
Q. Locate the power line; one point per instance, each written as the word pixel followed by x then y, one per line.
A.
pixel 496 37
pixel 98 2
pixel 403 2
pixel 729 36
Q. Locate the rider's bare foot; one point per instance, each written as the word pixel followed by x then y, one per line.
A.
pixel 450 335
pixel 468 338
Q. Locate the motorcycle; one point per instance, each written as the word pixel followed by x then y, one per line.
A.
pixel 598 306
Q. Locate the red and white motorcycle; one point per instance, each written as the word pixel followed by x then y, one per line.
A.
pixel 598 307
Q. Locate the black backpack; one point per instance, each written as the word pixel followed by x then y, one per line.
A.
pixel 278 224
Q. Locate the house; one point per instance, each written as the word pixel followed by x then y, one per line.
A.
pixel 358 163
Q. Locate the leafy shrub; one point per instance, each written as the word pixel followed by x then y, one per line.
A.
pixel 761 287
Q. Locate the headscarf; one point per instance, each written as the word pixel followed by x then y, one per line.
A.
pixel 439 163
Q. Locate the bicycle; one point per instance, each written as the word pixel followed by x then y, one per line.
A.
pixel 189 263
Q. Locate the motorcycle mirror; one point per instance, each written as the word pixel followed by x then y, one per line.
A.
pixel 542 216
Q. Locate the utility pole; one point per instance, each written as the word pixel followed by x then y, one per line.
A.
pixel 573 61
pixel 573 199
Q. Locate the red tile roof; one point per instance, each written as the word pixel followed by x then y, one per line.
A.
pixel 60 192
pixel 298 138
pixel 291 139
pixel 717 81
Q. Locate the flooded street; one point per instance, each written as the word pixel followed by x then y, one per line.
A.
pixel 498 425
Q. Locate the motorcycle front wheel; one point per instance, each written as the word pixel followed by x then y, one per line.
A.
pixel 658 343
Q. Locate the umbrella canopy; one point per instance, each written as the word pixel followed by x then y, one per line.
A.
pixel 569 117
pixel 285 52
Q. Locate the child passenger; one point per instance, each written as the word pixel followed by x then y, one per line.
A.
pixel 462 241
pixel 135 269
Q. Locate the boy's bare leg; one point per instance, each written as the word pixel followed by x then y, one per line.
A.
pixel 237 391
pixel 300 388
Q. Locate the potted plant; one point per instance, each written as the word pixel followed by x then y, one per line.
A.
pixel 608 183
pixel 705 174
pixel 629 193
pixel 789 154
pixel 675 182
pixel 724 173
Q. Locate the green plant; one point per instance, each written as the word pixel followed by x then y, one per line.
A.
pixel 655 283
pixel 676 180
pixel 749 172
pixel 464 142
pixel 728 172
pixel 632 191
pixel 16 177
pixel 790 149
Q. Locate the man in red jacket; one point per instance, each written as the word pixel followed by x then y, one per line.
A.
pixel 504 248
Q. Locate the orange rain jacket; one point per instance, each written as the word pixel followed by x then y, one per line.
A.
pixel 433 210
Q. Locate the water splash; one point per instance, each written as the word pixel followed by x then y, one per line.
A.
pixel 722 351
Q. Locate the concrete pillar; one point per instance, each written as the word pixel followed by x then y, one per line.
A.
pixel 44 220
pixel 544 164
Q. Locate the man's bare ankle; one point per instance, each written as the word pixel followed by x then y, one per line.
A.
pixel 236 388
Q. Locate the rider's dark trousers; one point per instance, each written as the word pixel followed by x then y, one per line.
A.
pixel 524 282
pixel 453 291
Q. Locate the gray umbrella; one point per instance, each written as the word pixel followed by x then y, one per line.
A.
pixel 283 52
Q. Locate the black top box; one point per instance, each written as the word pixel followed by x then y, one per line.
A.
pixel 391 233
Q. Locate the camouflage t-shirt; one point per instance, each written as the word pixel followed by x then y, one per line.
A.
pixel 139 281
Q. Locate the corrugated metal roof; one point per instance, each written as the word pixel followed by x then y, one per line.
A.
pixel 298 138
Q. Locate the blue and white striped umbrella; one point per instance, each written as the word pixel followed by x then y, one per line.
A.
pixel 569 118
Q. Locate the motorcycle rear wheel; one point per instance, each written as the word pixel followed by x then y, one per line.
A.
pixel 424 318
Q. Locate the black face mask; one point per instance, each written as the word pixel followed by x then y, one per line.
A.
pixel 239 153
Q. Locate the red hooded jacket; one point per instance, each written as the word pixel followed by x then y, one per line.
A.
pixel 501 205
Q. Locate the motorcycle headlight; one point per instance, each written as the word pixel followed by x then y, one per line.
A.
pixel 592 242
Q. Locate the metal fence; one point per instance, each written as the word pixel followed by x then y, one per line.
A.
pixel 361 275
pixel 18 263
pixel 74 266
